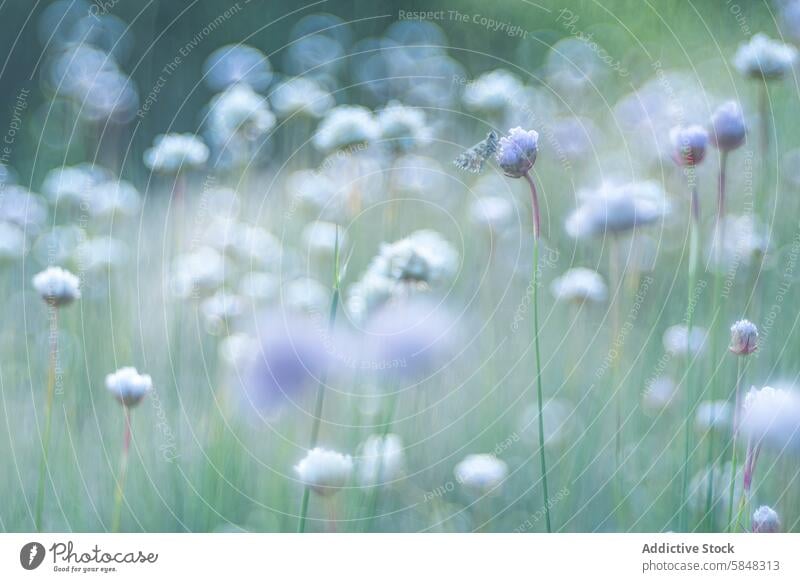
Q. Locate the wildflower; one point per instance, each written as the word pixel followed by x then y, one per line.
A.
pixel 57 286
pixel 239 113
pixel 492 91
pixel 727 131
pixel 320 237
pixel 292 356
pixel 659 393
pixel 713 415
pixel 422 260
pixel 306 295
pixel 678 343
pixel 558 419
pixel 402 126
pixel 324 471
pixel 381 460
pixel 614 209
pixel 409 338
pixel 236 64
pixel 689 144
pixel 516 152
pixel 198 273
pixel 744 338
pixel 771 416
pixel 128 386
pixel 765 520
pixel 13 244
pixel 22 208
pixel 494 213
pixel 345 126
pixel 580 285
pixel 764 58
pixel 481 473
pixel 221 310
pixel 301 96
pixel 173 152
pixel 114 198
pixel 259 286
pixel 71 185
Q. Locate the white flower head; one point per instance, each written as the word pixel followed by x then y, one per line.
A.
pixel 221 310
pixel 173 152
pixel 324 471
pixel 678 342
pixel 764 58
pixel 301 96
pixel 381 460
pixel 766 520
pixel 494 213
pixel 492 91
pixel 618 208
pixel 128 386
pixel 239 113
pixel 714 414
pixel 580 285
pixel 771 416
pixel 57 286
pixel 481 473
pixel 403 127
pixel 320 237
pixel 344 126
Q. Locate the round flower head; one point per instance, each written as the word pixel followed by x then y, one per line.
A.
pixel 712 414
pixel 481 473
pixel 764 58
pixel 771 416
pixel 128 386
pixel 403 127
pixel 346 125
pixel 174 152
pixel 744 338
pixel 324 471
pixel 57 286
pixel 678 343
pixel 688 144
pixel 580 285
pixel 491 91
pixel 493 213
pixel 381 460
pixel 239 112
pixel 301 96
pixel 516 152
pixel 765 520
pixel 728 130
pixel 237 63
pixel 617 208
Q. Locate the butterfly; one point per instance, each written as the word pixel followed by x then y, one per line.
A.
pixel 472 159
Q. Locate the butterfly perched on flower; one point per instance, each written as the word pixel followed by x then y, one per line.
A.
pixel 472 159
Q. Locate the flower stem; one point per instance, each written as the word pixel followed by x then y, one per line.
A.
pixel 694 226
pixel 535 283
pixel 320 400
pixel 734 438
pixel 123 472
pixel 48 414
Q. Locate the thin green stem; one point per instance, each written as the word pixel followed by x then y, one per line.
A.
pixel 320 400
pixel 119 494
pixel 48 416
pixel 539 398
pixel 734 438
pixel 694 245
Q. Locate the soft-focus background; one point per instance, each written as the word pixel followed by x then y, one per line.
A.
pixel 216 279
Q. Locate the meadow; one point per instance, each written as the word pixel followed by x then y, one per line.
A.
pixel 400 268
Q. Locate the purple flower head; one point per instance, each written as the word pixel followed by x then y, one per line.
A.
pixel 728 129
pixel 292 356
pixel 409 338
pixel 689 144
pixel 744 338
pixel 517 152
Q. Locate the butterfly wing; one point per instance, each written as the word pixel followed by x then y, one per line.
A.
pixel 472 159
